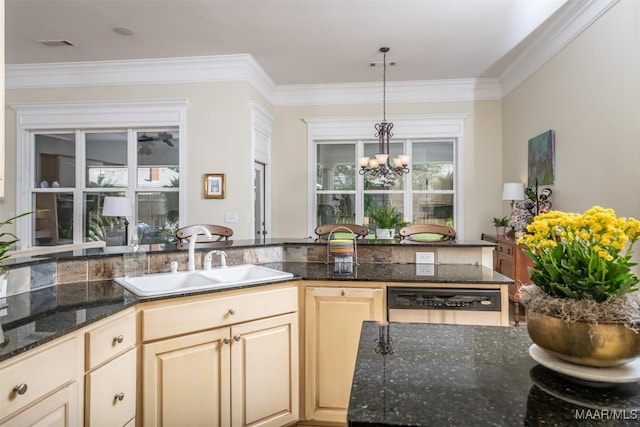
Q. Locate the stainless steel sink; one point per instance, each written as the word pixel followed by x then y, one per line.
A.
pixel 200 280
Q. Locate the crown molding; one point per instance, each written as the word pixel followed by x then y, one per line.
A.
pixel 568 24
pixel 397 92
pixel 221 68
pixel 565 26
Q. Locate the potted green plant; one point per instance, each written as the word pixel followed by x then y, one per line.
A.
pixel 583 304
pixel 500 224
pixel 387 219
pixel 7 240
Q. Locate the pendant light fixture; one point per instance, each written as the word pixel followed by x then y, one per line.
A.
pixel 379 170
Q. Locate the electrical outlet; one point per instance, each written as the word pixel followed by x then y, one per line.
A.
pixel 425 258
pixel 425 270
pixel 230 217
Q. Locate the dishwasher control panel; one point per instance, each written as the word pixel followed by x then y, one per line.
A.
pixel 443 299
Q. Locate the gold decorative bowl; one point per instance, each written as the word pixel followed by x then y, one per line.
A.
pixel 599 345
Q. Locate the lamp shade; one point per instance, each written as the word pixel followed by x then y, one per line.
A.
pixel 117 206
pixel 513 191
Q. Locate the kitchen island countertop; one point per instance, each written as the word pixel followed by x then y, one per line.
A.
pixel 455 375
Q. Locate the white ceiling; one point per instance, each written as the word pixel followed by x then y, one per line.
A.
pixel 295 41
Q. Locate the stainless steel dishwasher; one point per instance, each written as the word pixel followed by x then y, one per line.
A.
pixel 444 305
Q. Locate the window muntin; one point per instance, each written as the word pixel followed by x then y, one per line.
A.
pixel 395 149
pixel 425 195
pixel 336 208
pixel 432 181
pixel 158 214
pixel 158 159
pixel 53 221
pixel 54 157
pixel 105 159
pixel 336 169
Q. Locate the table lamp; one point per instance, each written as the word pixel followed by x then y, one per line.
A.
pixel 513 191
pixel 121 208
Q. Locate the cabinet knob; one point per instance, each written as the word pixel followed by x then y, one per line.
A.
pixel 118 339
pixel 237 338
pixel 232 311
pixel 119 396
pixel 226 340
pixel 20 388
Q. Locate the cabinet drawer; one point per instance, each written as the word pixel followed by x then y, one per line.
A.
pixel 180 318
pixel 505 249
pixel 41 373
pixel 106 385
pixel 110 339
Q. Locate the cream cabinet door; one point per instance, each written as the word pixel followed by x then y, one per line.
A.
pixel 264 376
pixel 58 410
pixel 186 380
pixel 333 319
pixel 111 392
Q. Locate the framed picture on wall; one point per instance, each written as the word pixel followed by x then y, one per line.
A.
pixel 214 186
pixel 542 159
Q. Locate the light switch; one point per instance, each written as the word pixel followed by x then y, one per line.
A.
pixel 425 258
pixel 231 217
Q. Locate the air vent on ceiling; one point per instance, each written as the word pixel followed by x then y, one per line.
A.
pixel 54 43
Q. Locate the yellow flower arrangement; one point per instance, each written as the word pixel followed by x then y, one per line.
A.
pixel 582 256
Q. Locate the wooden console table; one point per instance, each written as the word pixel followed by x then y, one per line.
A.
pixel 510 260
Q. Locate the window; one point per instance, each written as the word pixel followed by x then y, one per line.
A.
pixel 428 194
pixel 72 170
pixel 57 188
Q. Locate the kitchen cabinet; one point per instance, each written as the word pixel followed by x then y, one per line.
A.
pixel 510 260
pixel 333 319
pixel 35 395
pixel 111 363
pixel 232 361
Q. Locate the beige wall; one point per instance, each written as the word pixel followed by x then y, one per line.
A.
pixel 482 184
pixel 589 93
pixel 218 138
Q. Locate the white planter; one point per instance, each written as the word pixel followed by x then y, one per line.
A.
pixel 385 233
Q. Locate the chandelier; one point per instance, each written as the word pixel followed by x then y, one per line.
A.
pixel 379 170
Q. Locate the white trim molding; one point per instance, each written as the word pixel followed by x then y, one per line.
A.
pixel 408 126
pixel 405 127
pixel 567 24
pixel 220 68
pixel 89 115
pixel 397 92
pixel 564 26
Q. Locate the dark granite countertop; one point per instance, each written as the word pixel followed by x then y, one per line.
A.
pixel 455 375
pixel 39 316
pixel 36 317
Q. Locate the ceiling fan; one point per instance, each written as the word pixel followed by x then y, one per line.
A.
pixel 165 137
pixel 153 139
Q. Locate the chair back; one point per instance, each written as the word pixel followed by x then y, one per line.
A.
pixel 429 232
pixel 222 232
pixel 323 231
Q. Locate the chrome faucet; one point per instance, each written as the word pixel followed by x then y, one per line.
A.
pixel 192 244
pixel 209 256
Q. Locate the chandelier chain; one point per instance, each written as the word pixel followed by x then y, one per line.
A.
pixel 381 170
pixel 384 86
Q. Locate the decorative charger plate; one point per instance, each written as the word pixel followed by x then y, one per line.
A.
pixel 627 373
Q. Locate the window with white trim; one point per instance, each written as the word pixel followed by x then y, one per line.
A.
pixel 428 194
pixel 72 169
